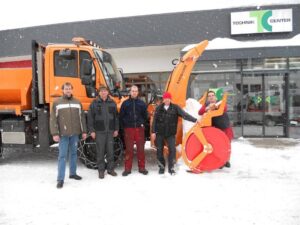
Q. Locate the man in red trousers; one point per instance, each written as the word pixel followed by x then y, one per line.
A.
pixel 133 116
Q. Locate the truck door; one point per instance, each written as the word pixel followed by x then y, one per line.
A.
pixel 68 68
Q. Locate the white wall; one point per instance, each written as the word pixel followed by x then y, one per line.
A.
pixel 146 59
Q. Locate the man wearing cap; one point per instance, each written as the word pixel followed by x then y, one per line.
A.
pixel 103 123
pixel 164 128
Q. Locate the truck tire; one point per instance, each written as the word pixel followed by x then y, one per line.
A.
pixel 88 153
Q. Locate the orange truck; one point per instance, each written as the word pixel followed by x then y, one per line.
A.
pixel 28 89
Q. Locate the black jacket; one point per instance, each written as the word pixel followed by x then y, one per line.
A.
pixel 133 113
pixel 222 122
pixel 165 121
pixel 103 116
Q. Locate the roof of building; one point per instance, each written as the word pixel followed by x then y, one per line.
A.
pixel 136 31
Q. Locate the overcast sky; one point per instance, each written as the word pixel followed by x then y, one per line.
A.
pixel 21 13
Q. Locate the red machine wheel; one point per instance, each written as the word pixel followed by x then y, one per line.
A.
pixel 221 149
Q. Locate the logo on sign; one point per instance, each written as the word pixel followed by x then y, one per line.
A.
pixel 262 21
pixel 262 18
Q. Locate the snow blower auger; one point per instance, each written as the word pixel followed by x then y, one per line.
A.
pixel 206 148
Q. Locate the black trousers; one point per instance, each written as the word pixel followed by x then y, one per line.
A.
pixel 159 142
pixel 105 150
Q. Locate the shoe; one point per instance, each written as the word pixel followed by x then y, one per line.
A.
pixel 161 171
pixel 143 171
pixel 172 171
pixel 60 184
pixel 126 173
pixel 101 174
pixel 76 177
pixel 227 164
pixel 112 173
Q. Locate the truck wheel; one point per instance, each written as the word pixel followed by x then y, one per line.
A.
pixel 118 150
pixel 88 153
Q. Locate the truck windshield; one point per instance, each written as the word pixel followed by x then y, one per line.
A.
pixel 112 75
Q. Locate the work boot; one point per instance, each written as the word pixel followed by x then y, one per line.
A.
pixel 143 171
pixel 60 184
pixel 112 173
pixel 101 174
pixel 227 164
pixel 161 171
pixel 75 176
pixel 172 171
pixel 126 173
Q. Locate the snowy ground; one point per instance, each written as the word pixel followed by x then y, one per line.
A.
pixel 262 187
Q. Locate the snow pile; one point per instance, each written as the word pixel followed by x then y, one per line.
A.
pixel 261 187
pixel 228 43
pixel 192 107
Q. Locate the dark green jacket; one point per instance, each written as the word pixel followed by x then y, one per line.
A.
pixel 103 116
pixel 67 117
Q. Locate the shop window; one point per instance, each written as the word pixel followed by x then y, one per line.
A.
pixel 294 63
pixel 217 65
pixel 264 64
pixel 230 83
pixel 294 104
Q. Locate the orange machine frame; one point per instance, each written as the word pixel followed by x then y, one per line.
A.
pixel 197 130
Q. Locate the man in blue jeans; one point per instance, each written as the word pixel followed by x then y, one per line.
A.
pixel 67 122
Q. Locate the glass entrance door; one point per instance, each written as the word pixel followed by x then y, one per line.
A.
pixel 264 105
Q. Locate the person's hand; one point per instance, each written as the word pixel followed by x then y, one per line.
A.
pixel 153 136
pixel 93 135
pixel 212 106
pixel 199 119
pixel 115 134
pixel 83 136
pixel 56 138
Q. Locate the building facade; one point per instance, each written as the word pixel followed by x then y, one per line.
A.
pixel 254 54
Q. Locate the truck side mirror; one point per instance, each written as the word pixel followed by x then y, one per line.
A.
pixel 121 72
pixel 88 80
pixel 91 92
pixel 87 66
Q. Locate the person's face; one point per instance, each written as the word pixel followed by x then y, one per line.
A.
pixel 134 92
pixel 167 101
pixel 68 90
pixel 211 97
pixel 103 94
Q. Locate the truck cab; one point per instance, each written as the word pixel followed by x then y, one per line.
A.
pixel 83 64
pixel 27 93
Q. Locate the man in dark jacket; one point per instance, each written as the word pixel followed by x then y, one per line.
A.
pixel 164 128
pixel 67 121
pixel 133 116
pixel 103 123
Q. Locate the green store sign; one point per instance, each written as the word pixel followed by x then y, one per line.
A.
pixel 262 21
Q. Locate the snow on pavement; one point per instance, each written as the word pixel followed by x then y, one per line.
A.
pixel 262 187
